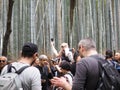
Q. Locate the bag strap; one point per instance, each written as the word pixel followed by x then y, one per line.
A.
pixel 70 74
pixel 19 71
pixel 101 63
pixel 9 68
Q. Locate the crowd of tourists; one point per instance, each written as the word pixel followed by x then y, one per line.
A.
pixel 68 69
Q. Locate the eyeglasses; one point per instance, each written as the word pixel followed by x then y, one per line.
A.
pixel 2 61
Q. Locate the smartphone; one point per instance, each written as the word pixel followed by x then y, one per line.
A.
pixel 52 39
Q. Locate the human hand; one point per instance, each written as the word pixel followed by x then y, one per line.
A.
pixel 58 68
pixel 58 81
pixel 48 66
pixel 52 43
pixel 46 63
pixel 61 82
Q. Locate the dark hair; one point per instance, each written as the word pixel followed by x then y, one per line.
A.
pixel 65 65
pixel 76 54
pixel 29 49
pixel 109 54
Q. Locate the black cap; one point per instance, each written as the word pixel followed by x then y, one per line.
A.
pixel 29 49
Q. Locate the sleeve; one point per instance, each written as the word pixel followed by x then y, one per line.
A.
pixel 80 76
pixel 54 50
pixel 68 54
pixel 36 80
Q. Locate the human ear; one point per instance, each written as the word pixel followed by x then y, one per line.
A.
pixel 35 55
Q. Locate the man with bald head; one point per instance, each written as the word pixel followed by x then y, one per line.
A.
pixel 3 62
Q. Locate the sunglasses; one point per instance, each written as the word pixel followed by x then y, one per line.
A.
pixel 2 61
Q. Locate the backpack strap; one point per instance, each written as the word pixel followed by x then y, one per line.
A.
pixel 70 75
pixel 9 68
pixel 21 69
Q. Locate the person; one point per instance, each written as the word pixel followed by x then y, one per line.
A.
pixel 109 55
pixel 87 71
pixel 66 71
pixel 64 53
pixel 45 70
pixel 55 67
pixel 77 58
pixel 110 59
pixel 117 57
pixel 3 62
pixel 30 77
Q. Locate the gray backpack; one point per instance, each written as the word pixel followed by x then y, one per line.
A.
pixel 10 80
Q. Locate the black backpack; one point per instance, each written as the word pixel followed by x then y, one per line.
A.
pixel 109 76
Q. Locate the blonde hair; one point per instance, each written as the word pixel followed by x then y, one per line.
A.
pixel 64 45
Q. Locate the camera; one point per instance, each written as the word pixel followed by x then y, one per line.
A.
pixel 52 39
pixel 55 59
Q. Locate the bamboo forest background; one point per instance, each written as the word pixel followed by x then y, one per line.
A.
pixel 68 21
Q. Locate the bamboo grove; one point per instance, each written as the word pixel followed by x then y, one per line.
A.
pixel 64 20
